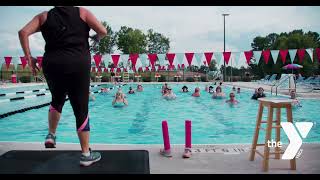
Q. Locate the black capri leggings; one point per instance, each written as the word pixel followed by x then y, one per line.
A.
pixel 72 80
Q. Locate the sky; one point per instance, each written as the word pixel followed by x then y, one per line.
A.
pixel 189 28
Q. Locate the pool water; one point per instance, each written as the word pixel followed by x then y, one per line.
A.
pixel 213 121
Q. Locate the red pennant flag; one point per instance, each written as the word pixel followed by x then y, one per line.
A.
pixel 112 69
pixel 189 57
pixel 39 60
pixel 140 69
pixel 301 53
pixel 115 59
pixel 125 70
pixel 99 69
pixel 106 70
pixel 152 59
pixel 170 57
pixel 182 66
pixel 23 62
pixel 97 59
pixel 208 56
pixel 248 55
pixel 133 58
pixel 205 63
pixel 283 54
pixel 179 66
pixel 147 69
pixel 318 53
pixel 266 55
pixel 226 56
pixel 7 59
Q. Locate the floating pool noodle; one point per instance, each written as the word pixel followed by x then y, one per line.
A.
pixel 188 133
pixel 165 132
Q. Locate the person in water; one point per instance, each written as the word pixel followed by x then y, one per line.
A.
pixel 131 91
pixel 105 90
pixel 211 90
pixel 295 102
pixel 233 88
pixel 139 88
pixel 238 90
pixel 164 88
pixel 184 89
pixel 218 93
pixel 169 95
pixel 232 99
pixel 119 100
pixel 258 93
pixel 207 88
pixel 196 92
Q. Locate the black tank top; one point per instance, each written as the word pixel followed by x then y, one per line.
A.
pixel 65 33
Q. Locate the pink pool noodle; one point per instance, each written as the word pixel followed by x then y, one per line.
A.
pixel 188 133
pixel 165 132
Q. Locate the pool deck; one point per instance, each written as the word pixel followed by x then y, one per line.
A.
pixel 219 162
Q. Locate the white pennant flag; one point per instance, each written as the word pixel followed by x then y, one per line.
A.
pixel 143 69
pixel 218 57
pixel 257 56
pixel 310 52
pixel 106 59
pixel 124 59
pixel 109 69
pixel 102 69
pixel 236 58
pixel 274 54
pixel 96 69
pixel 156 67
pixel 179 57
pixel 198 57
pixel 292 53
pixel 162 58
pixel 143 59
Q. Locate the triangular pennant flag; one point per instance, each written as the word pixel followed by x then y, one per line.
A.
pixel 198 57
pixel 301 53
pixel 257 56
pixel 106 59
pixel 208 56
pixel 170 57
pixel 97 59
pixel 248 55
pixel 23 62
pixel 106 70
pixel 156 67
pixel 143 60
pixel 162 58
pixel 318 53
pixel 99 69
pixel 179 57
pixel 266 55
pixel 274 54
pixel 226 56
pixel 96 69
pixel 218 56
pixel 109 69
pixel 118 69
pixel 189 57
pixel 292 54
pixel 112 69
pixel 133 58
pixel 152 59
pixel 124 58
pixel 7 59
pixel 236 56
pixel 102 69
pixel 115 59
pixel 39 61
pixel 310 52
pixel 283 55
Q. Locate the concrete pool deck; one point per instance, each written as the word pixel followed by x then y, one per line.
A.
pixel 212 159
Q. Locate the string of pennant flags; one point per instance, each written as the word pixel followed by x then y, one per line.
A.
pixel 171 61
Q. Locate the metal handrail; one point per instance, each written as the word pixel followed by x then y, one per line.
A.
pixel 280 82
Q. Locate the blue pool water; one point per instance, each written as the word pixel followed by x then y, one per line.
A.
pixel 213 121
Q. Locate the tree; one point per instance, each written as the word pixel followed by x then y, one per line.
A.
pixel 157 43
pixel 131 40
pixel 107 43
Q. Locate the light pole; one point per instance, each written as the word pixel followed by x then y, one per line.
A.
pixel 224 44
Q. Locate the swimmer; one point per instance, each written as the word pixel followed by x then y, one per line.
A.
pixel 91 96
pixel 119 100
pixel 184 89
pixel 232 99
pixel 221 83
pixel 238 90
pixel 164 88
pixel 233 88
pixel 296 102
pixel 258 93
pixel 139 88
pixel 169 95
pixel 131 91
pixel 218 94
pixel 105 90
pixel 196 92
pixel 207 88
pixel 211 90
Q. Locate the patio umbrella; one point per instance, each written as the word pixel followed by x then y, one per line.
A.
pixel 292 67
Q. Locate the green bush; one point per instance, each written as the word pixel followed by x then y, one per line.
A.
pixel 162 79
pixel 25 79
pixel 204 79
pixel 105 79
pixel 146 79
pixel 189 79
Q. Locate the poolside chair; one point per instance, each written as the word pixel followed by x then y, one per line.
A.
pixel 264 79
pixel 271 80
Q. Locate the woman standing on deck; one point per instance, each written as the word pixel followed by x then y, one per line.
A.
pixel 66 66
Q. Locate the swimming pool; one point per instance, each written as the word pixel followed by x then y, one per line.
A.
pixel 213 121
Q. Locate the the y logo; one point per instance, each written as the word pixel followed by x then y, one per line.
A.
pixel 295 139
